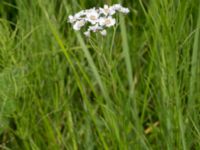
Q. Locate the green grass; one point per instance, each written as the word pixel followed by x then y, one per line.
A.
pixel 136 88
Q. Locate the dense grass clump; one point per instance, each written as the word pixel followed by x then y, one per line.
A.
pixel 136 88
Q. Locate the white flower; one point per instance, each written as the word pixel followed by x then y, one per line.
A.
pixel 124 10
pixel 92 16
pixel 87 33
pixel 103 32
pixel 96 19
pixel 79 14
pixel 117 7
pixel 71 19
pixel 108 22
pixel 77 26
pixel 120 8
pixel 95 28
pixel 76 17
pixel 107 10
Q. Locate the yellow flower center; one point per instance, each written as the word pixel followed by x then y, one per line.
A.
pixel 92 17
pixel 106 10
pixel 107 21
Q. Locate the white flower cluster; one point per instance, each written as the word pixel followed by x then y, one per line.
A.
pixel 97 19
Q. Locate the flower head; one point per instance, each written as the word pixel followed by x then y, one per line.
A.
pixel 77 26
pixel 106 10
pixel 87 33
pixel 79 14
pixel 103 32
pixel 124 10
pixel 92 16
pixel 95 28
pixel 96 19
pixel 108 22
pixel 71 19
pixel 120 8
pixel 117 7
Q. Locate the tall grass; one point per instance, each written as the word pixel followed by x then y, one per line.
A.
pixel 136 88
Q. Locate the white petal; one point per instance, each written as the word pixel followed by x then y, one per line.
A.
pixel 117 7
pixel 71 19
pixel 106 10
pixel 105 7
pixel 125 10
pixel 103 32
pixel 95 28
pixel 78 25
pixel 102 21
pixel 79 14
pixel 112 12
pixel 87 33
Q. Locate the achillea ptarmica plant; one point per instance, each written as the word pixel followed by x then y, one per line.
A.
pixel 96 19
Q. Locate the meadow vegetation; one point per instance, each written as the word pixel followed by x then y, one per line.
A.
pixel 136 88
